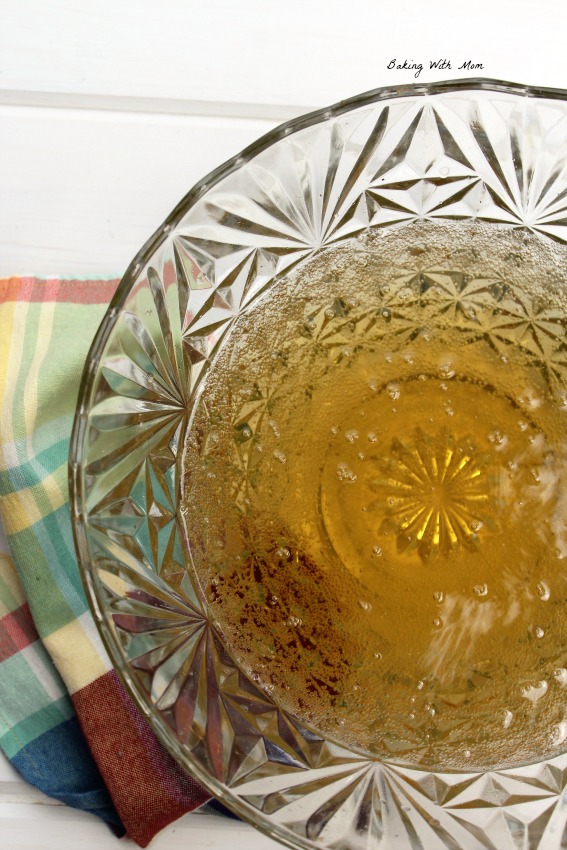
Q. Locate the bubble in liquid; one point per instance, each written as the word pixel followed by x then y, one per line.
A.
pixel 366 606
pixel 558 733
pixel 530 398
pixel 393 390
pixel 371 436
pixel 543 591
pixel 280 456
pixel 437 622
pixel 446 370
pixel 275 427
pixel 480 589
pixel 498 439
pixel 439 596
pixel 352 435
pixel 533 693
pixel 539 632
pixel 376 551
pixel 345 473
pixel 508 717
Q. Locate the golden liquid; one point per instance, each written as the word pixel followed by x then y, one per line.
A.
pixel 375 496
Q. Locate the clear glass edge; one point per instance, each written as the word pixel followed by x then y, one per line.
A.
pixel 76 450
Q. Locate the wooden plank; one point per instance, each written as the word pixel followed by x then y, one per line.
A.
pixel 160 105
pixel 279 53
pixel 83 190
pixel 10 779
pixel 28 826
pixel 29 819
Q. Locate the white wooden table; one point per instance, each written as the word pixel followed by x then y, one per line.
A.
pixel 110 111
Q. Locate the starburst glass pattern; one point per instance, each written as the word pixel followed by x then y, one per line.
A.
pixel 374 170
pixel 385 161
pixel 362 804
pixel 434 493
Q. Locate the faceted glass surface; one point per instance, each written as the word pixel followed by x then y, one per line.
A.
pixel 358 175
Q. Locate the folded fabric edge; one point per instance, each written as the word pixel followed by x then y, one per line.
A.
pixel 39 732
pixel 59 763
pixel 131 752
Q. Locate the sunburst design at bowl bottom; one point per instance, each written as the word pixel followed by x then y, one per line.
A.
pixel 435 493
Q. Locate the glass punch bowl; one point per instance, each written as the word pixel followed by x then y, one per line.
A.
pixel 381 227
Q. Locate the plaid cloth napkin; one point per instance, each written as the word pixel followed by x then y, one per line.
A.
pixel 58 689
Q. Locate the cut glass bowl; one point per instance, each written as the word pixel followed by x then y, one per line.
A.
pixel 398 217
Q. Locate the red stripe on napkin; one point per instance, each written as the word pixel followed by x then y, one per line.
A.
pixel 133 759
pixel 17 631
pixel 33 289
